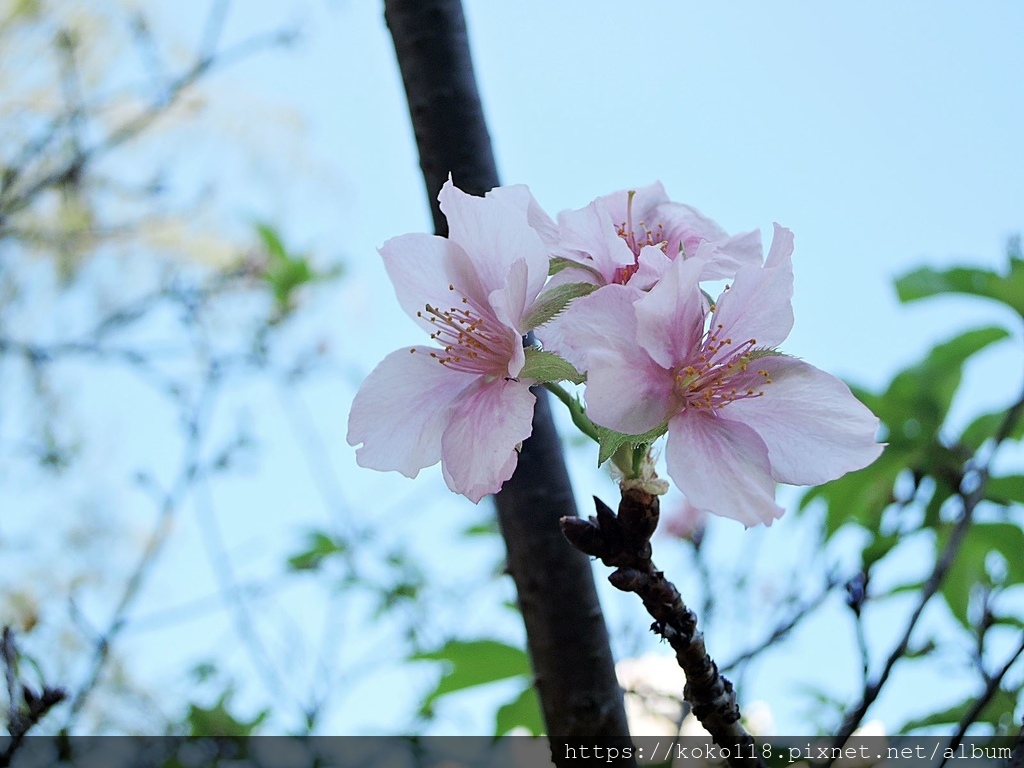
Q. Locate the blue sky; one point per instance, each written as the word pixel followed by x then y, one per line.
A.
pixel 885 136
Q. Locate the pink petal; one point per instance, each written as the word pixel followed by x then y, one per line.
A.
pixel 604 319
pixel 629 393
pixel 519 197
pixel 732 254
pixel 511 301
pixel 495 233
pixel 652 265
pixel 722 466
pixel 782 248
pixel 591 232
pixel 670 318
pixel 421 267
pixel 645 203
pixel 402 409
pixel 478 448
pixel 687 226
pixel 814 427
pixel 626 390
pixel 759 304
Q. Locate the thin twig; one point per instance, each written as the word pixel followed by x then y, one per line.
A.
pixel 969 501
pixel 161 530
pixel 781 630
pixel 982 701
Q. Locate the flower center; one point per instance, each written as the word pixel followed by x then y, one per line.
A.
pixel 637 238
pixel 473 340
pixel 720 373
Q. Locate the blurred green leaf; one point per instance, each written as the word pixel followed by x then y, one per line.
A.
pixel 1005 288
pixel 998 711
pixel 218 720
pixel 523 711
pixel 860 496
pixel 286 272
pixel 913 409
pixel 470 663
pixel 879 547
pixel 487 528
pixel 916 402
pixel 319 546
pixel 985 427
pixel 968 568
pixel 1006 490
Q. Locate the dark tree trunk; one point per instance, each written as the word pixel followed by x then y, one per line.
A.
pixel 568 640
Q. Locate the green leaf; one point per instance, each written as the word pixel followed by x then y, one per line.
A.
pixel 473 662
pixel 523 711
pixel 1006 490
pixel 286 272
pixel 968 568
pixel 558 263
pixel 879 547
pixel 553 302
pixel 1009 621
pixel 545 367
pixel 272 242
pixel 218 720
pixel 926 282
pixel 610 441
pixel 319 547
pixel 916 402
pixel 859 497
pixel 999 708
pixel 985 427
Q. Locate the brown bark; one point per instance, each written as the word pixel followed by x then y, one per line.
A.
pixel 568 641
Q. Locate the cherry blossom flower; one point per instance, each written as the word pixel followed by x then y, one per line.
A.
pixel 740 415
pixel 460 402
pixel 634 235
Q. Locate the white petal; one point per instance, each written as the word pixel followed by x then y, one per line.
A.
pixel 402 409
pixel 478 448
pixel 814 427
pixel 722 467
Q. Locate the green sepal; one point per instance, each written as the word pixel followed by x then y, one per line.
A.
pixel 557 263
pixel 610 441
pixel 554 301
pixel 544 367
pixel 757 354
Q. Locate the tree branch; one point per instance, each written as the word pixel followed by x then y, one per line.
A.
pixel 623 542
pixel 566 633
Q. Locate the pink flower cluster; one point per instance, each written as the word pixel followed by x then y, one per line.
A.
pixel 625 308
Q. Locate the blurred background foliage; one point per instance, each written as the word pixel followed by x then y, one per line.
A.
pixel 163 365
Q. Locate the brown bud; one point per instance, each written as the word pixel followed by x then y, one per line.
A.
pixel 626 579
pixel 583 535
